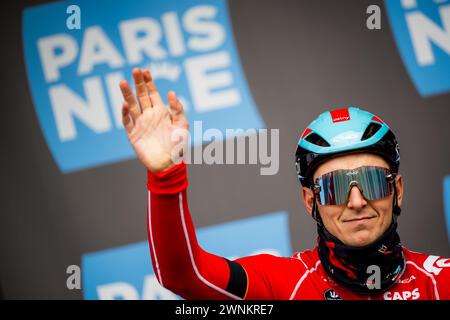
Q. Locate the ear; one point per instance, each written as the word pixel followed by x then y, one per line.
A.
pixel 308 199
pixel 399 185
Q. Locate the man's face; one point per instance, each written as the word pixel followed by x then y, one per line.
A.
pixel 359 221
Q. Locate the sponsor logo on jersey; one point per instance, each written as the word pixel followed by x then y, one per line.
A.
pixel 435 264
pixel 74 74
pixel 402 295
pixel 330 294
pixel 421 30
pixel 407 280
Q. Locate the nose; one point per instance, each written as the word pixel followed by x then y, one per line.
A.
pixel 356 200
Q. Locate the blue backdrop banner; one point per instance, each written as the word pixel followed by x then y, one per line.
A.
pixel 74 73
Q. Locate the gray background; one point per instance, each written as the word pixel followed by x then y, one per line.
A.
pixel 300 58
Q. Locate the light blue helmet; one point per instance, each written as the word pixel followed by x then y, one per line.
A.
pixel 344 131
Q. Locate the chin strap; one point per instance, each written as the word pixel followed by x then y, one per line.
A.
pixel 315 212
pixel 396 210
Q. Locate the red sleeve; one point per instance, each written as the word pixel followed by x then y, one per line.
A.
pixel 180 264
pixel 183 267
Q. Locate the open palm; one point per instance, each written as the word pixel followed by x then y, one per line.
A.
pixel 153 130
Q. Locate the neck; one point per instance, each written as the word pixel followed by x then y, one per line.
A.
pixel 349 265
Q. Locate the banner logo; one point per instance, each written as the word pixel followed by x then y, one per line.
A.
pixel 421 29
pixel 74 73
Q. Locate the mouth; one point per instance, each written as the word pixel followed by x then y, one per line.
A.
pixel 359 219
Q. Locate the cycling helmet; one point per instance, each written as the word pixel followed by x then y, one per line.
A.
pixel 344 131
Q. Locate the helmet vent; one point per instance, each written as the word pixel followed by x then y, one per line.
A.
pixel 371 129
pixel 317 140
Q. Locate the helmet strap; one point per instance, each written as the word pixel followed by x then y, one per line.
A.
pixel 395 207
pixel 315 212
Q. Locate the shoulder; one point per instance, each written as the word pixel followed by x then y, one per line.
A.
pixel 309 258
pixel 281 266
pixel 279 275
pixel 435 267
pixel 269 261
pixel 432 264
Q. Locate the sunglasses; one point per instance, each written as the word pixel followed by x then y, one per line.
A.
pixel 333 188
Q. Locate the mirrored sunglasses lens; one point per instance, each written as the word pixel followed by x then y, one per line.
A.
pixel 335 186
pixel 374 184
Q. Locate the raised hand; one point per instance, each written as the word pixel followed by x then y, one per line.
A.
pixel 154 131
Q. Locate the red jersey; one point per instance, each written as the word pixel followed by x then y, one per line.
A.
pixel 183 267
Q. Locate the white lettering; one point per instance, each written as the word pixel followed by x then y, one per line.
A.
pixel 97 48
pixel 212 33
pixel 434 264
pixel 205 84
pixel 115 96
pixel 52 61
pixel 117 290
pixel 424 32
pixel 152 290
pixel 404 295
pixel 174 35
pixel 141 37
pixel 92 112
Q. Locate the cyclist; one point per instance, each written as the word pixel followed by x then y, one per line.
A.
pixel 347 161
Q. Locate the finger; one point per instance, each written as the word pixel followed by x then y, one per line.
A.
pixel 129 98
pixel 141 89
pixel 153 91
pixel 175 106
pixel 126 119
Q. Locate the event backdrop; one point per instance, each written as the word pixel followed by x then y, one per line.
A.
pixel 73 192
